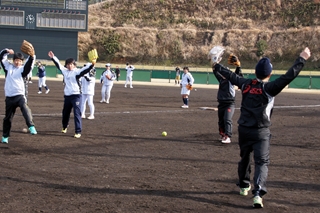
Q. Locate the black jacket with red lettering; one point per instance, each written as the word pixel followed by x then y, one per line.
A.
pixel 258 96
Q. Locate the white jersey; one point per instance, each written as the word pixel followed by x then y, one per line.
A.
pixel 186 79
pixel 88 86
pixel 72 77
pixel 104 78
pixel 129 70
pixel 14 82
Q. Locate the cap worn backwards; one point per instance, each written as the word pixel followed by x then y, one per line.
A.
pixel 263 67
pixel 108 65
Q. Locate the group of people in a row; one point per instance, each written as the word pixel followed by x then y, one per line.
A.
pixel 75 97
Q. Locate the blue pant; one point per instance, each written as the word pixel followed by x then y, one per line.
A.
pixel 256 141
pixel 72 101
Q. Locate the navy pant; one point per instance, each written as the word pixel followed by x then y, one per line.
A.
pixel 72 101
pixel 11 105
pixel 225 114
pixel 256 141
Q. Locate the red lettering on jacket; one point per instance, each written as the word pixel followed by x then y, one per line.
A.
pixel 256 91
pixel 246 89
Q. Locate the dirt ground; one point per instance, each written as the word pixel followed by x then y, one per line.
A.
pixel 123 164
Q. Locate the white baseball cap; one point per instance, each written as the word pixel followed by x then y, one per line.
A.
pixel 108 65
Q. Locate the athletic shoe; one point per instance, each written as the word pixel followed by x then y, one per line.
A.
pixel 131 87
pixel 83 116
pixel 107 102
pixel 47 91
pixel 64 130
pixel 4 139
pixel 39 92
pixel 33 130
pixel 77 135
pixel 30 82
pixel 125 86
pixel 102 101
pixel 244 191
pixel 91 117
pixel 226 139
pixel 185 106
pixel 257 202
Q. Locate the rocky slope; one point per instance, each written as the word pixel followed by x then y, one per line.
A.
pixel 183 31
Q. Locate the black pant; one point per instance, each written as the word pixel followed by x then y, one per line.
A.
pixel 256 141
pixel 72 101
pixel 225 114
pixel 11 105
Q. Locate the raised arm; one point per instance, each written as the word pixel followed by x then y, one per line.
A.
pixel 275 87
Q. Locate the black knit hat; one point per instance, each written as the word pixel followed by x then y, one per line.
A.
pixel 263 68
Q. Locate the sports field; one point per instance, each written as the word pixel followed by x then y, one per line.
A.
pixel 122 163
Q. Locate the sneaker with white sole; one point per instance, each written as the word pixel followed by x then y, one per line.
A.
pixel 185 106
pixel 102 101
pixel 33 130
pixel 91 117
pixel 64 130
pixel 226 139
pixel 257 202
pixel 39 92
pixel 244 191
pixel 83 116
pixel 47 91
pixel 4 139
pixel 77 135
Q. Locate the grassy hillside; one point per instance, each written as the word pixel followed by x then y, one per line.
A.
pixel 176 32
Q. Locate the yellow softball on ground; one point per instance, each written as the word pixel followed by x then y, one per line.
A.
pixel 164 134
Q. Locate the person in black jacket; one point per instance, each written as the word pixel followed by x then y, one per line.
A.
pixel 226 98
pixel 253 125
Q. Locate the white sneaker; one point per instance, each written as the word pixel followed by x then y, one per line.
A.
pixel 47 91
pixel 185 106
pixel 125 86
pixel 131 87
pixel 226 139
pixel 39 92
pixel 102 101
pixel 107 102
pixel 83 116
pixel 91 117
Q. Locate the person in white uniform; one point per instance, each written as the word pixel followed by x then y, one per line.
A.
pixel 187 79
pixel 107 78
pixel 129 69
pixel 88 82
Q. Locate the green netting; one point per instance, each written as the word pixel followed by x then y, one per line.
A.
pixel 301 82
pixel 200 77
pixel 161 74
pixel 141 75
pixel 315 82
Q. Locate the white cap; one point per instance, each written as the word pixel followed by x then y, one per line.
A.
pixel 108 65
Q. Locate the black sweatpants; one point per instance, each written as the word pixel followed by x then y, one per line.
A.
pixel 256 141
pixel 11 105
pixel 72 101
pixel 225 114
